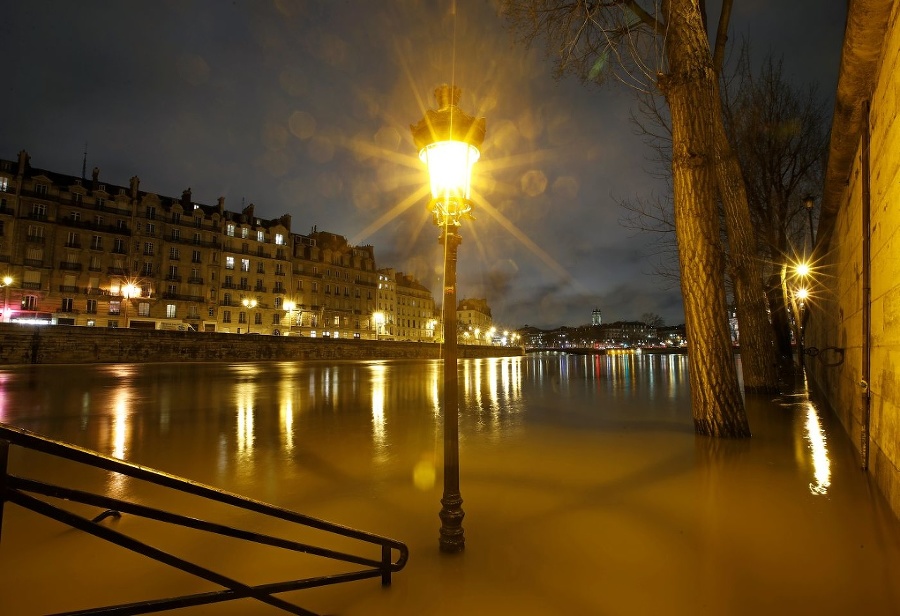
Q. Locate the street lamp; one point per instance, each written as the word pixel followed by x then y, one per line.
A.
pixel 289 306
pixel 378 317
pixel 808 202
pixel 7 281
pixel 249 304
pixel 128 291
pixel 448 140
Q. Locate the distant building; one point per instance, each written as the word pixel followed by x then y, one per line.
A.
pixel 85 252
pixel 474 320
pixel 596 317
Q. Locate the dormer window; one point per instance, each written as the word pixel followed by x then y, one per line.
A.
pixel 229 229
pixel 40 189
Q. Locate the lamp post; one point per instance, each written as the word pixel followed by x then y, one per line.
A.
pixel 808 203
pixel 378 317
pixel 249 304
pixel 289 306
pixel 7 280
pixel 128 291
pixel 448 142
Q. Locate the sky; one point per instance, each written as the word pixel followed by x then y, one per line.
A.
pixel 304 107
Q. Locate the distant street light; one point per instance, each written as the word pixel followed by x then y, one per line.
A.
pixel 448 142
pixel 7 281
pixel 808 202
pixel 249 304
pixel 128 291
pixel 378 317
pixel 289 306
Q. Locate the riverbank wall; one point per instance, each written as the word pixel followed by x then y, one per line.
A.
pixel 33 344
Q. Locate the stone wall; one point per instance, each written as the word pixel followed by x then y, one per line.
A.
pixel 21 344
pixel 868 407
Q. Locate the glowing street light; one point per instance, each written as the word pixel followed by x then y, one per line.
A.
pixel 128 291
pixel 7 281
pixel 448 140
pixel 289 306
pixel 249 304
pixel 378 317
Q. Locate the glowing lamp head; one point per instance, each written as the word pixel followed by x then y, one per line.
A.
pixel 802 269
pixel 448 140
pixel 802 293
pixel 7 280
pixel 129 291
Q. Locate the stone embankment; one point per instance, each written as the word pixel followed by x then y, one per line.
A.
pixel 30 344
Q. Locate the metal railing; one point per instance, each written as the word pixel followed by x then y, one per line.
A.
pixel 24 492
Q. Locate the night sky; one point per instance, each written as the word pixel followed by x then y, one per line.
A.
pixel 304 108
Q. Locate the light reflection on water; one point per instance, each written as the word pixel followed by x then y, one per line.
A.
pixel 595 452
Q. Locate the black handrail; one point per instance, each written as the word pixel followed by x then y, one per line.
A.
pixel 21 491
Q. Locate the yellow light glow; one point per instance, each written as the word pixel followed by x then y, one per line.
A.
pixel 802 293
pixel 7 280
pixel 802 269
pixel 450 169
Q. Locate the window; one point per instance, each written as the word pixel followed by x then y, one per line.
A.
pixel 260 236
pixel 337 321
pixel 92 306
pixel 260 268
pixel 176 234
pixel 244 232
pixel 144 309
pixel 174 253
pixel 226 299
pixel 113 323
pixel 226 315
pixel 148 268
pixel 195 256
pixel 212 312
pixel 242 317
pixel 197 238
pixel 100 201
pixel 193 313
pixel 279 239
pixel 40 189
pixel 121 224
pixel 276 319
pixel 257 318
pixel 38 210
pixel 74 216
pixel 72 240
pixel 173 272
pixel 278 303
pixel 229 262
pixel 119 246
pixel 95 264
pixel 151 228
pixel 279 269
pixel 115 307
pixel 173 289
pixel 98 220
pixel 176 218
pixel 245 265
pixel 4 184
pixel 229 229
pixel 151 212
pixel 148 249
pixel 96 242
pixel 170 311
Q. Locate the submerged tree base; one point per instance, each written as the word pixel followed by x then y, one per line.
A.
pixel 718 429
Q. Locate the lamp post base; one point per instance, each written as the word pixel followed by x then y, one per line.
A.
pixel 453 537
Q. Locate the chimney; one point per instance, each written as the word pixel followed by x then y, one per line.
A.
pixel 24 162
pixel 221 205
pixel 186 198
pixel 135 184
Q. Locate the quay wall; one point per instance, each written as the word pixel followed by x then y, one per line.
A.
pixel 34 344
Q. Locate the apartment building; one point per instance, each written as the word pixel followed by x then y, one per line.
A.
pixel 85 252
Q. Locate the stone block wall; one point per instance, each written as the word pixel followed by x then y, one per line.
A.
pixel 838 306
pixel 21 344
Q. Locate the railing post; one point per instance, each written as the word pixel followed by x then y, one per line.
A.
pixel 4 465
pixel 385 565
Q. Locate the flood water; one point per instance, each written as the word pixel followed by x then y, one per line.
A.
pixel 585 488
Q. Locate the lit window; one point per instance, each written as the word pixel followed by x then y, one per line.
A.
pixel 279 239
pixel 229 263
pixel 229 229
pixel 170 311
pixel 260 236
pixel 244 232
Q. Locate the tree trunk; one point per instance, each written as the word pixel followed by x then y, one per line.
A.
pixel 691 92
pixel 757 351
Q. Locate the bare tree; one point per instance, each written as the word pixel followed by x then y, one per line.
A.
pixel 780 135
pixel 666 43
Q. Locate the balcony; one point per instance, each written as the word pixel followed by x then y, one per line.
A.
pixel 34 286
pixel 193 280
pixel 35 239
pixel 183 298
pixel 34 262
pixel 68 289
pixel 70 267
pixel 115 271
pixel 73 245
pixel 229 285
pixel 259 289
pixel 173 278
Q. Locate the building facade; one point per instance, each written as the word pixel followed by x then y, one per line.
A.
pixel 80 251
